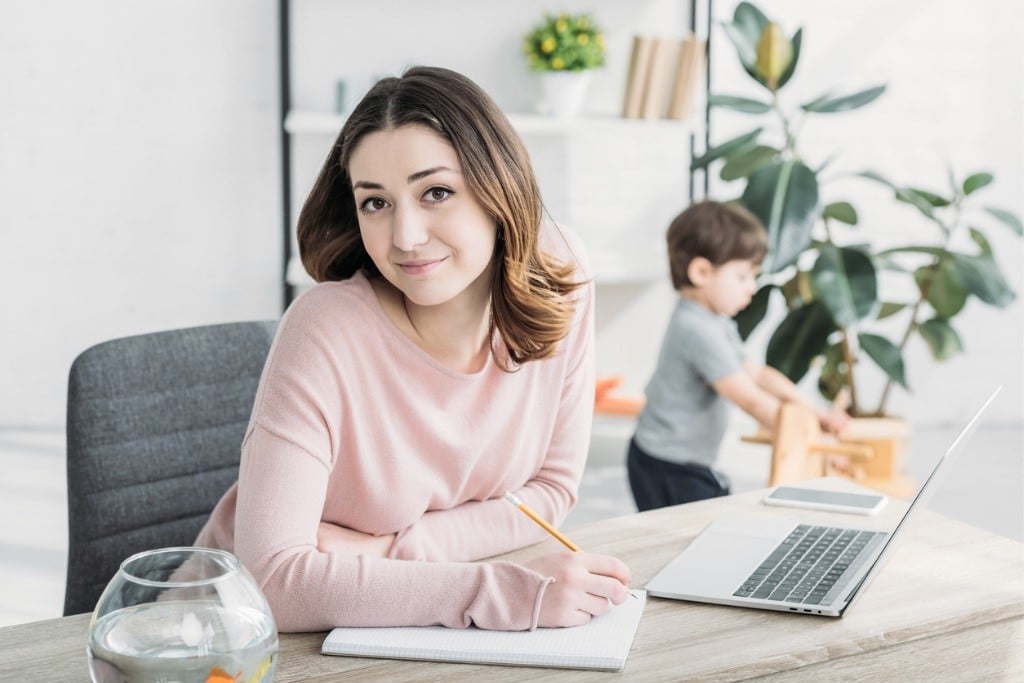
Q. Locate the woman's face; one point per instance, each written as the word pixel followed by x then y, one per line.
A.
pixel 421 225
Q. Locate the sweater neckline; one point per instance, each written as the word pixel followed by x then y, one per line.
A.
pixel 388 325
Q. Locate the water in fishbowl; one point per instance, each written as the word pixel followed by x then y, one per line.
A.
pixel 186 641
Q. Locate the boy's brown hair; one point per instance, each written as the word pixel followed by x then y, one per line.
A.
pixel 716 231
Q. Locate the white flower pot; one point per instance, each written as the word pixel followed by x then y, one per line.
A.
pixel 563 92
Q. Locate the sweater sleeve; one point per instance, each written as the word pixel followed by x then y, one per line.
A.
pixel 478 529
pixel 280 499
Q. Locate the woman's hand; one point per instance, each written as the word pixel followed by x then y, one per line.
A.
pixel 585 585
pixel 331 538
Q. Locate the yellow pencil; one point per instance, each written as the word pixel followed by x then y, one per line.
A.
pixel 535 517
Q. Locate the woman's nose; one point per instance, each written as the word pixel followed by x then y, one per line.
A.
pixel 409 230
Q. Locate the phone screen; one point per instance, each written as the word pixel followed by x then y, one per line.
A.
pixel 857 500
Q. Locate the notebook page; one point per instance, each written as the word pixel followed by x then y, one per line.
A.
pixel 603 643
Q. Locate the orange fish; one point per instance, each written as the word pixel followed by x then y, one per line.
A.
pixel 219 675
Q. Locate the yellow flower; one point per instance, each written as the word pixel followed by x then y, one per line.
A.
pixel 600 40
pixel 583 39
pixel 548 45
pixel 557 63
pixel 561 25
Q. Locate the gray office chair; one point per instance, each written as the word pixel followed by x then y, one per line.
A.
pixel 154 428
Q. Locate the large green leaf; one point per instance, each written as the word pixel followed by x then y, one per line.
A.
pixel 784 195
pixel 844 280
pixel 743 104
pixel 745 31
pixel 976 182
pixel 979 238
pixel 981 277
pixel 918 201
pixel 946 293
pixel 885 354
pixel 877 177
pixel 729 147
pixel 788 73
pixel 827 104
pixel 942 339
pixel 833 372
pixel 1007 218
pixel 751 316
pixel 889 308
pixel 842 212
pixel 799 338
pixel 930 197
pixel 921 200
pixel 744 163
pixel 938 252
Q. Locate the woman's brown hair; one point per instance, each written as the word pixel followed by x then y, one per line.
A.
pixel 530 306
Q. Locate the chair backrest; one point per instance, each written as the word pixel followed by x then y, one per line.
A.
pixel 154 428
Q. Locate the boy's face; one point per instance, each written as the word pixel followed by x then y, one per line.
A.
pixel 729 287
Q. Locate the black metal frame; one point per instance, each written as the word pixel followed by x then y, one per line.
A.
pixel 284 75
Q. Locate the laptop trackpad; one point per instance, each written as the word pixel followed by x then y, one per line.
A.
pixel 720 558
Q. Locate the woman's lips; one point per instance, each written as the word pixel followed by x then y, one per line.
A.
pixel 420 266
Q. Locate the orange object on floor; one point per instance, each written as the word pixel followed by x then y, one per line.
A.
pixel 607 402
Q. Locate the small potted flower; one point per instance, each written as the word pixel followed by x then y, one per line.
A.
pixel 564 49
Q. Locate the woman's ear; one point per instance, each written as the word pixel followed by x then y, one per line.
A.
pixel 699 271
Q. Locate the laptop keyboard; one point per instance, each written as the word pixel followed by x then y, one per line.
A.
pixel 807 567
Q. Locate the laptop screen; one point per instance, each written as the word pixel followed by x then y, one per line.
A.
pixel 954 451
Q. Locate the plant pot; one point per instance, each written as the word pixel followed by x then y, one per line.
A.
pixel 888 439
pixel 563 93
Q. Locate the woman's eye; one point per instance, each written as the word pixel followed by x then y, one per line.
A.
pixel 372 205
pixel 437 195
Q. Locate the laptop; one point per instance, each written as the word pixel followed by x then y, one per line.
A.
pixel 785 565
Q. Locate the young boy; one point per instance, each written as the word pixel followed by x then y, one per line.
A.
pixel 714 250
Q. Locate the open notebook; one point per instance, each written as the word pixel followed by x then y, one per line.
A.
pixel 603 643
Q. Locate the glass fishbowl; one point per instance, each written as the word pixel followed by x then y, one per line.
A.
pixel 182 614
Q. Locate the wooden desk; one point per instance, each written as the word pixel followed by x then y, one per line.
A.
pixel 949 604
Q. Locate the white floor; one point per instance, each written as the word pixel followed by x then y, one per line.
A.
pixel 984 488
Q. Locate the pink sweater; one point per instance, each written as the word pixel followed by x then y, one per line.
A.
pixel 356 425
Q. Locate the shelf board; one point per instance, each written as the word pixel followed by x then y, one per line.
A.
pixel 299 122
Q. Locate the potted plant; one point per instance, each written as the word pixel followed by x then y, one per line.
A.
pixel 564 49
pixel 826 273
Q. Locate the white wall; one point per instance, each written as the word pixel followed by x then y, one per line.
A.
pixel 956 95
pixel 139 160
pixel 138 179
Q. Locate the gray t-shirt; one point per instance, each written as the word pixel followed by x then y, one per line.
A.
pixel 684 419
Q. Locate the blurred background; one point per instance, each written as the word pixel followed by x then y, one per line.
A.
pixel 143 187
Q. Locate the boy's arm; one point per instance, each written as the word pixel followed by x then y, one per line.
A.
pixel 778 385
pixel 742 390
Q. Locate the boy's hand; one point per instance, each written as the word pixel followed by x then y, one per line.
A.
pixel 833 420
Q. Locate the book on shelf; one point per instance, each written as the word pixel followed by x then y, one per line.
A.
pixel 639 63
pixel 688 76
pixel 663 76
pixel 659 78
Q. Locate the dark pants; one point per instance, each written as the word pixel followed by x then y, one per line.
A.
pixel 657 483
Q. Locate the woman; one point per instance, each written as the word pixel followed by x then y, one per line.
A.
pixel 445 357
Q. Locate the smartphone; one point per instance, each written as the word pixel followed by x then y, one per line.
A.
pixel 833 501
